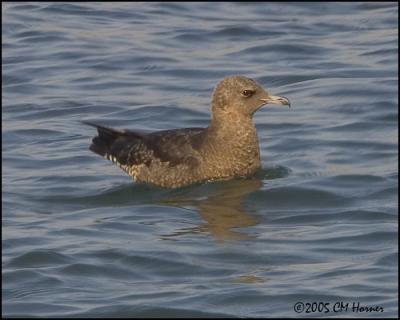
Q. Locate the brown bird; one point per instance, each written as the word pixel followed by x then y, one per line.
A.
pixel 227 148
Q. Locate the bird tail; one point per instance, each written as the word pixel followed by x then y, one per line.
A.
pixel 101 144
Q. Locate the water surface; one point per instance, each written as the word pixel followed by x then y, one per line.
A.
pixel 318 222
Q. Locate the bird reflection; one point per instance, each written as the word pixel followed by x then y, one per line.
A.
pixel 221 207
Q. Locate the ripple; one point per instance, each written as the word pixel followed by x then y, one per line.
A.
pixel 270 173
pixel 349 216
pixel 317 221
pixel 85 270
pixel 276 197
pixel 121 310
pixel 285 49
pixel 239 31
pixel 38 259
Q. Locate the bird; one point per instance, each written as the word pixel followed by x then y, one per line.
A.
pixel 227 148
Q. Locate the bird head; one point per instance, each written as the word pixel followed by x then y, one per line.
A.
pixel 242 96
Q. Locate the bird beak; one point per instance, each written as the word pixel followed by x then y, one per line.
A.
pixel 276 100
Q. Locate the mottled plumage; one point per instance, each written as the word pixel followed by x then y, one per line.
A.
pixel 228 147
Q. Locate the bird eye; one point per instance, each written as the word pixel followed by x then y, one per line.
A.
pixel 247 93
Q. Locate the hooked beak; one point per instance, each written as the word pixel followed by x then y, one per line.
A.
pixel 276 100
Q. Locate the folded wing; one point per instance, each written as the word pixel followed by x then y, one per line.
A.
pixel 128 148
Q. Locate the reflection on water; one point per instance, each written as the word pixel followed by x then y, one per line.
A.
pixel 222 211
pixel 81 240
pixel 248 278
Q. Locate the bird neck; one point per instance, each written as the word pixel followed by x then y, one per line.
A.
pixel 232 144
pixel 233 129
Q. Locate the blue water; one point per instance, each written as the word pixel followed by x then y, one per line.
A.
pixel 317 224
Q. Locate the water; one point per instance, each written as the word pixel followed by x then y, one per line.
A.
pixel 318 223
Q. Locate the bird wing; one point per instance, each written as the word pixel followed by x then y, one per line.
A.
pixel 130 148
pixel 176 146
